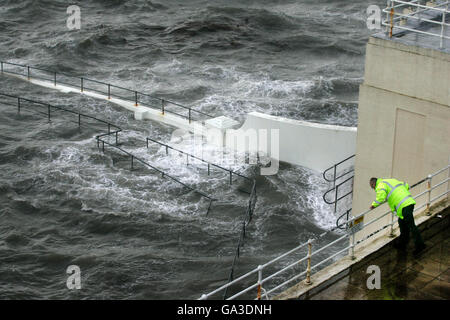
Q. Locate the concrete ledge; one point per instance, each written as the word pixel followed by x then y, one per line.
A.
pixel 397 44
pixel 333 273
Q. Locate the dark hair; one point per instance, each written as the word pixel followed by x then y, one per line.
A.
pixel 373 180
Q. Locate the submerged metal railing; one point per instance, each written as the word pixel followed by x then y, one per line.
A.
pixel 134 159
pixel 264 284
pixel 230 172
pixel 250 206
pixel 399 12
pixel 114 130
pixel 106 89
pixel 19 103
pixel 246 220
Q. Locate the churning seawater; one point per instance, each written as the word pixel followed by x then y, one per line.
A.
pixel 134 234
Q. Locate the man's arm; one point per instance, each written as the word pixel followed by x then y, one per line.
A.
pixel 380 198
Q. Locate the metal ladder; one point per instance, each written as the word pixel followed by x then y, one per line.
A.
pixel 339 181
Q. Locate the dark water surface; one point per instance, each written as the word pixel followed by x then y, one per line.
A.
pixel 133 234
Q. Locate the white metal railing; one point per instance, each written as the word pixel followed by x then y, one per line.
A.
pixel 262 284
pixel 398 12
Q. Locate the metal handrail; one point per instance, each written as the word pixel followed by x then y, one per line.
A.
pixel 46 105
pixel 251 202
pixel 336 192
pixel 188 155
pixel 164 174
pixel 392 16
pixel 246 220
pixel 82 86
pixel 347 213
pixel 334 167
pixel 335 187
pixel 340 225
pixel 99 139
pixel 350 235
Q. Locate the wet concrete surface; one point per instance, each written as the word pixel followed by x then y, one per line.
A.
pixel 403 276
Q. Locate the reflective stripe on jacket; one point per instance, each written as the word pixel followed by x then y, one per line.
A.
pixel 395 192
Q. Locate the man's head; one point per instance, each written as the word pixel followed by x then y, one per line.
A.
pixel 373 182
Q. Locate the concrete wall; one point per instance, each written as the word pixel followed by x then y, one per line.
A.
pixel 312 145
pixel 403 120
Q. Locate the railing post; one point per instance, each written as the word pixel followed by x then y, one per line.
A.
pixel 391 27
pixel 82 84
pixel 260 269
pixel 132 158
pixel 428 211
pixel 162 106
pixel 18 105
pixel 189 115
pixel 209 207
pixel 135 99
pixel 48 106
pixel 391 234
pixel 334 176
pixel 346 219
pixel 353 241
pixel 443 27
pixel 28 72
pixel 1 63
pixel 448 184
pixel 389 4
pixel 308 268
pixel 55 78
pixel 109 91
pixel 335 198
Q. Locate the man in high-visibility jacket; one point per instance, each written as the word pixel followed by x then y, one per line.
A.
pixel 397 194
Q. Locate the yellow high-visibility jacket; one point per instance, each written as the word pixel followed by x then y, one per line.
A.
pixel 395 192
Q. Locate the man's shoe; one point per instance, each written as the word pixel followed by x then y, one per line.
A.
pixel 419 249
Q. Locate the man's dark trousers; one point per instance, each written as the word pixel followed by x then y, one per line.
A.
pixel 407 225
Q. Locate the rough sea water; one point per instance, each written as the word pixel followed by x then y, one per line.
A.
pixel 134 234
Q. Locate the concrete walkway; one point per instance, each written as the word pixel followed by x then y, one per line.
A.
pixel 403 276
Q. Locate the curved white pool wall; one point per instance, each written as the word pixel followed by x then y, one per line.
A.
pixel 312 145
